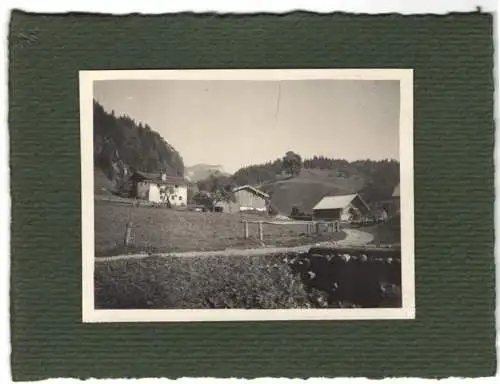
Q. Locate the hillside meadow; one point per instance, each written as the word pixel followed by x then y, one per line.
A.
pixel 308 188
pixel 167 230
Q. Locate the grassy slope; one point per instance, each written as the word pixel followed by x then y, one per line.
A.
pixel 308 188
pixel 160 229
pixel 102 185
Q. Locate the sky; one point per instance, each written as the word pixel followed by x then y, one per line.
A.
pixel 239 123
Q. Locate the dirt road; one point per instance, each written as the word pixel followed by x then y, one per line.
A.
pixel 353 237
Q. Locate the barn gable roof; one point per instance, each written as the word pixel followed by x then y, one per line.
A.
pixel 252 189
pixel 337 202
pixel 396 191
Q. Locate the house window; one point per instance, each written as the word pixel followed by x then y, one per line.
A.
pixel 180 197
pixel 176 186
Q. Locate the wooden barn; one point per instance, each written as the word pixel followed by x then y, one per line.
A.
pixel 341 208
pixel 249 198
pixel 395 194
pixel 396 203
pixel 392 205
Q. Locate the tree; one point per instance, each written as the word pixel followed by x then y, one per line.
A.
pixel 214 189
pixel 292 163
pixel 295 211
pixel 203 198
pixel 136 143
pixel 222 190
pixel 382 177
pixel 219 186
pixel 271 209
pixel 165 193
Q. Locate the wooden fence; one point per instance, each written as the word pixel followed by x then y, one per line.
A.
pixel 311 226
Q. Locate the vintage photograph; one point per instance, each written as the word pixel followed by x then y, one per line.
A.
pixel 244 195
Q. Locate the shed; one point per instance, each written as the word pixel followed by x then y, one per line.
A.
pixel 226 207
pixel 396 192
pixel 396 204
pixel 392 204
pixel 343 208
pixel 251 199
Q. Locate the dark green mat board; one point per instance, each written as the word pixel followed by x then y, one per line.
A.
pixel 452 58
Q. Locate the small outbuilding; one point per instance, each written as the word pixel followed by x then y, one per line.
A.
pixel 396 194
pixel 396 201
pixel 249 198
pixel 341 208
pixel 226 207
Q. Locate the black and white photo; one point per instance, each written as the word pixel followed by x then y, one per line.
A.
pixel 244 195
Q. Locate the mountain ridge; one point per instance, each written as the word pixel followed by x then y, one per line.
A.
pixel 201 171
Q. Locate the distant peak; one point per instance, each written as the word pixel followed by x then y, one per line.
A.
pixel 202 171
pixel 201 165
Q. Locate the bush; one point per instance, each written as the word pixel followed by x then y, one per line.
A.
pixel 295 211
pixel 198 282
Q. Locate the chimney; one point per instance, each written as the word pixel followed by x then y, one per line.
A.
pixel 163 174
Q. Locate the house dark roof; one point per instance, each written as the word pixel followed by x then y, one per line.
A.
pixel 337 202
pixel 156 177
pixel 254 190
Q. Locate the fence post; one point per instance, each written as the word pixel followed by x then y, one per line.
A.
pixel 128 234
pixel 245 229
pixel 261 232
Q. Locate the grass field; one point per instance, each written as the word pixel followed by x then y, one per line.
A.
pixel 308 280
pixel 309 187
pixel 166 230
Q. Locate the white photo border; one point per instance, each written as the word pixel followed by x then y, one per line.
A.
pixel 407 311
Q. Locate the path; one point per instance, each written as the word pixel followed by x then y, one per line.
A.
pixel 353 237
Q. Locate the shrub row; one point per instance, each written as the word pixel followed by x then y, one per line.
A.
pixel 198 282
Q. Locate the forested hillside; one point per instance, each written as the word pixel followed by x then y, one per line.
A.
pixel 121 144
pixel 259 173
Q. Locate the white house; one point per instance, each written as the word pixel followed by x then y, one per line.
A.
pixel 160 188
